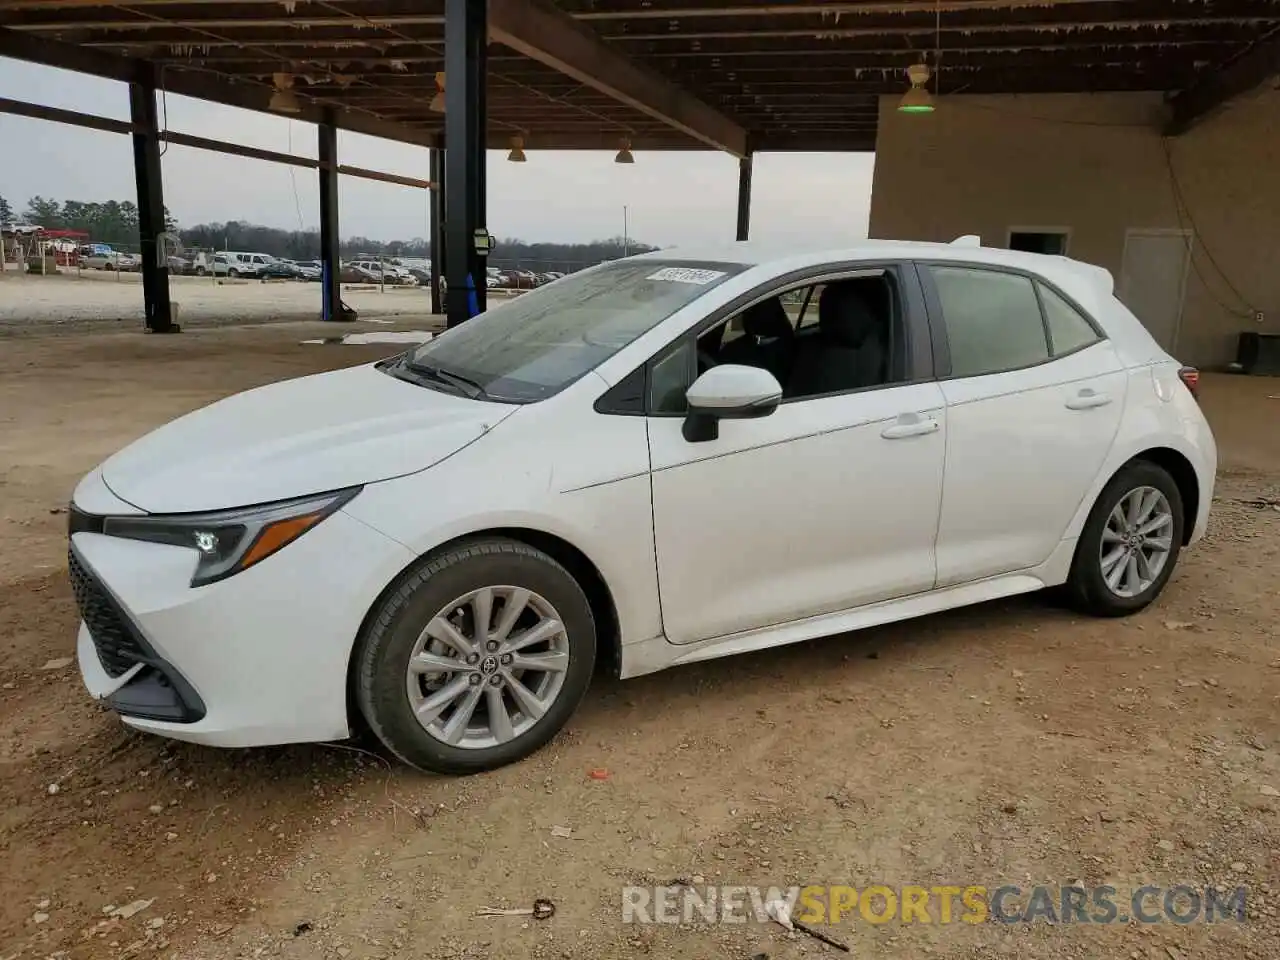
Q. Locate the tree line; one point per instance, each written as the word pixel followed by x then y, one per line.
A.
pixel 111 221
pixel 116 222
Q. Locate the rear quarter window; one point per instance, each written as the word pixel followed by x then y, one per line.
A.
pixel 1069 330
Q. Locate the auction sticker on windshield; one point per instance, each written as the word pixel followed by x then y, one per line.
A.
pixel 686 275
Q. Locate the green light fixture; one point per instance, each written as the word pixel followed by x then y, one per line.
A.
pixel 918 98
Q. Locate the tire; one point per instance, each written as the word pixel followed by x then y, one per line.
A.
pixel 438 588
pixel 199 271
pixel 233 273
pixel 1087 587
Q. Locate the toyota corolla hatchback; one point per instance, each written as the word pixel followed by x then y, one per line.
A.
pixel 659 460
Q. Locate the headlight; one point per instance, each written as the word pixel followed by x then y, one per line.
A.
pixel 229 541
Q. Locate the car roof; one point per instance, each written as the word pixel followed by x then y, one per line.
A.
pixel 966 249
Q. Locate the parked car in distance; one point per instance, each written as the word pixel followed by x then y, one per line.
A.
pixel 387 272
pixel 310 269
pixel 600 468
pixel 522 279
pixel 354 273
pixel 102 256
pixel 248 264
pixel 232 263
pixel 179 265
pixel 279 269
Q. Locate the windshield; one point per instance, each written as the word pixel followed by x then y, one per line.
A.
pixel 540 342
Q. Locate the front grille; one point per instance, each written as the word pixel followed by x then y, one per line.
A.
pixel 118 648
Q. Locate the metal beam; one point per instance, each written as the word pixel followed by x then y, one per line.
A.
pixel 330 260
pixel 147 174
pixel 37 111
pixel 236 149
pixel 586 135
pixel 1219 86
pixel 465 48
pixel 436 226
pixel 21 108
pixel 540 31
pixel 396 178
pixel 198 84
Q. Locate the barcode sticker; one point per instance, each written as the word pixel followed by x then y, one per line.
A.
pixel 686 275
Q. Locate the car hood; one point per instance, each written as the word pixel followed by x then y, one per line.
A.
pixel 298 437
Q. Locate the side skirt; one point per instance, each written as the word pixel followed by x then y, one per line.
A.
pixel 650 656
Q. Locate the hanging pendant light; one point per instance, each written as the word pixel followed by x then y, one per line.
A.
pixel 517 150
pixel 624 152
pixel 283 99
pixel 918 98
pixel 437 102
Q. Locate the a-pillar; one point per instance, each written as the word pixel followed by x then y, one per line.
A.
pixel 147 173
pixel 466 41
pixel 330 259
pixel 744 197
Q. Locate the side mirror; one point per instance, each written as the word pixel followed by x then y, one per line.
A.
pixel 728 392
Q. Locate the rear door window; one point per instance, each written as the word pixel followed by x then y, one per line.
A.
pixel 992 319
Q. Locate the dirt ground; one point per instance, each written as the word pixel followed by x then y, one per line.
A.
pixel 96 299
pixel 1007 743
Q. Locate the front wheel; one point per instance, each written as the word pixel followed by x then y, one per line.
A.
pixel 477 659
pixel 233 273
pixel 1130 543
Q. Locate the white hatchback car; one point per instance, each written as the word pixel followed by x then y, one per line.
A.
pixel 662 459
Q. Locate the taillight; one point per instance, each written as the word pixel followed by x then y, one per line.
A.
pixel 1191 377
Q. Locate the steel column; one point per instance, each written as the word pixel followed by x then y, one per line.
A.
pixel 437 226
pixel 466 43
pixel 147 174
pixel 330 260
pixel 744 197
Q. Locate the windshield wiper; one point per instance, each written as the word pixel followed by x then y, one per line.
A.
pixel 473 389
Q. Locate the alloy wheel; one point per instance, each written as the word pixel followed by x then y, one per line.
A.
pixel 487 667
pixel 1137 541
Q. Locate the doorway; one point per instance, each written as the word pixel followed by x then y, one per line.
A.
pixel 1051 241
pixel 1153 280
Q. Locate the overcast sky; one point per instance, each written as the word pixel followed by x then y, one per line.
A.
pixel 672 198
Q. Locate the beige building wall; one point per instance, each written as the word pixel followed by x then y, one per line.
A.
pixel 1096 164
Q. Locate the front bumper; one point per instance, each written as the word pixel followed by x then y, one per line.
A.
pixel 259 658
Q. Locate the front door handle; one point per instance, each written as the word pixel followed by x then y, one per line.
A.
pixel 910 425
pixel 1087 399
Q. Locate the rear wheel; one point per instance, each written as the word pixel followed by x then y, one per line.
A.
pixel 477 659
pixel 1130 543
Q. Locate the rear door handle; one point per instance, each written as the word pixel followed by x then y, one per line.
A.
pixel 910 425
pixel 1087 399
